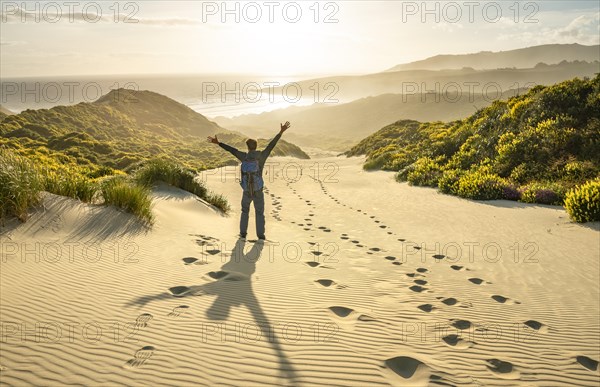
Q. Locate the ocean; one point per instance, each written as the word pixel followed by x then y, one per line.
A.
pixel 210 95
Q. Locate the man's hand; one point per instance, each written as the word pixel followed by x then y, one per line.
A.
pixel 285 126
pixel 214 139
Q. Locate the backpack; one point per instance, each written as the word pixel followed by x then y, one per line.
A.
pixel 251 181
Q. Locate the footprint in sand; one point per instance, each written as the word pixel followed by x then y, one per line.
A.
pixel 213 251
pixel 194 261
pixel 426 307
pixel 411 371
pixel 455 341
pixel 390 258
pixel 143 320
pixel 420 282
pixel 503 300
pixel 422 270
pixel 325 282
pixel 457 267
pixel 341 311
pixel 179 291
pixel 375 249
pixel 317 264
pixel 396 263
pixel 345 313
pixel 536 325
pixel 141 356
pixel 178 311
pixel 476 281
pixel 417 288
pixel 439 256
pixel 450 301
pixel 217 274
pixel 205 237
pixel 228 276
pixel 587 362
pixel 461 324
pixel 503 369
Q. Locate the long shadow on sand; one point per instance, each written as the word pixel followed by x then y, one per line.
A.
pixel 233 287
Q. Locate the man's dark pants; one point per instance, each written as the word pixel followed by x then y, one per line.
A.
pixel 259 209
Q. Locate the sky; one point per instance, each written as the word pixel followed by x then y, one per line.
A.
pixel 275 38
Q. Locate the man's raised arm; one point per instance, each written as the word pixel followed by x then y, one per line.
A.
pixel 267 151
pixel 236 153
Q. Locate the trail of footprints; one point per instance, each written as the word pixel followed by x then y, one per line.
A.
pixel 402 366
pixel 406 367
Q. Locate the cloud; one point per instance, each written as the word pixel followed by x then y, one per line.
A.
pixel 169 22
pixel 8 43
pixel 19 15
pixel 583 29
pixel 447 27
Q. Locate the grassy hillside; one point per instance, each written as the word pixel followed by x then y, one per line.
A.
pixel 122 129
pixel 534 147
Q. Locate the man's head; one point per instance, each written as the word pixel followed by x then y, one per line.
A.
pixel 252 144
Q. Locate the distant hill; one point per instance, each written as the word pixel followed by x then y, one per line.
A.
pixel 153 111
pixel 350 88
pixel 338 127
pixel 4 112
pixel 121 129
pixel 532 147
pixel 521 58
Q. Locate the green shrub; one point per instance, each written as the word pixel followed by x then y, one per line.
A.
pixel 171 173
pixel 448 182
pixel 583 202
pixel 543 193
pixel 153 171
pixel 375 163
pixel 425 172
pixel 481 185
pixel 71 184
pixel 20 184
pixel 512 192
pixel 129 196
pixel 219 201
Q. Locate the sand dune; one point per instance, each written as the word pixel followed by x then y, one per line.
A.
pixel 364 282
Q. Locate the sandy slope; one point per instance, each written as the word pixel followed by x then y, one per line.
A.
pixel 499 293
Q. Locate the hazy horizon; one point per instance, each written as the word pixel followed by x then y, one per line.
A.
pixel 331 38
